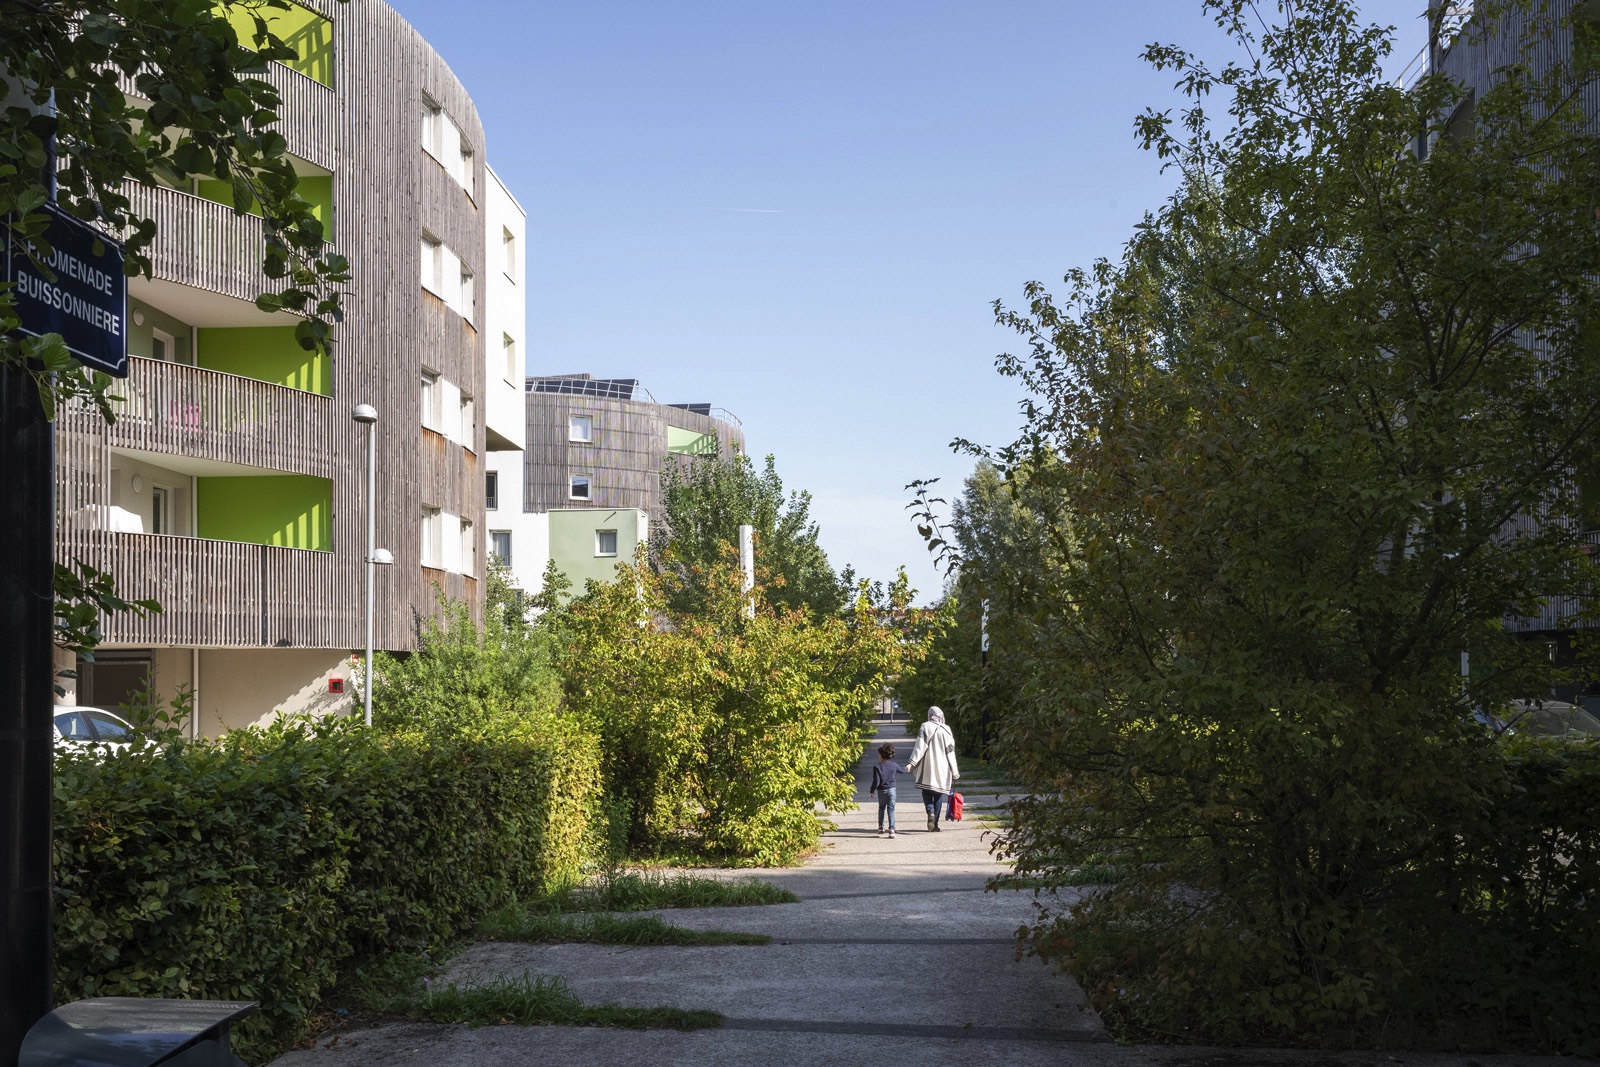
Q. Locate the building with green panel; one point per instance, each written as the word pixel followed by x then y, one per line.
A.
pixel 587 487
pixel 232 486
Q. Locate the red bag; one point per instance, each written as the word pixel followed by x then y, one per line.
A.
pixel 955 807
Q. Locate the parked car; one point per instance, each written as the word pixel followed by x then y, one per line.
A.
pixel 1550 718
pixel 78 725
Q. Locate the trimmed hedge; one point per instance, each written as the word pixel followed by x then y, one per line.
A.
pixel 261 865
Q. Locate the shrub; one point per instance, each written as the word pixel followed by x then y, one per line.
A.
pixel 258 866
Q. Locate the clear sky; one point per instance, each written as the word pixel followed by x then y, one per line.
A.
pixel 803 212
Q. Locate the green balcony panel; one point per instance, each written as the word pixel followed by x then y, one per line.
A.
pixel 308 33
pixel 690 442
pixel 286 510
pixel 267 354
pixel 316 188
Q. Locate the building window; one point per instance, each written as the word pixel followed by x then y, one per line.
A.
pixel 469 420
pixel 509 346
pixel 469 548
pixel 161 510
pixel 464 301
pixel 508 245
pixel 162 345
pixel 432 128
pixel 432 264
pixel 491 491
pixel 578 487
pixel 500 545
pixel 463 176
pixel 430 400
pixel 580 428
pixel 605 542
pixel 432 527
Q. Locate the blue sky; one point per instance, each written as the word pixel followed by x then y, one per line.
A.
pixel 802 213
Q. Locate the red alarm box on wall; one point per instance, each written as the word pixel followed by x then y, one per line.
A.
pixel 335 685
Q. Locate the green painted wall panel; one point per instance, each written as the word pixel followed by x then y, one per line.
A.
pixel 267 354
pixel 316 188
pixel 691 442
pixel 302 29
pixel 572 541
pixel 287 510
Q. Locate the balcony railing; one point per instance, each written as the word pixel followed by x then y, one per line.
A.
pixel 212 415
pixel 202 243
pixel 230 594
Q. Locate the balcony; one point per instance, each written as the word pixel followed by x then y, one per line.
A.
pixel 179 410
pixel 203 244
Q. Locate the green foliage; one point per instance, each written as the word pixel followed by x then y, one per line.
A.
pixel 1272 463
pixel 720 727
pixel 462 674
pixel 707 500
pixel 258 866
pixel 83 597
pixel 518 924
pixel 635 891
pixel 209 114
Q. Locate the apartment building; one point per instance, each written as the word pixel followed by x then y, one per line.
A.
pixel 232 487
pixel 586 488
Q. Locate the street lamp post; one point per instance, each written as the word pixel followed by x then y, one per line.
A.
pixel 367 415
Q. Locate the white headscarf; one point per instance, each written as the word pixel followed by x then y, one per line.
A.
pixel 935 715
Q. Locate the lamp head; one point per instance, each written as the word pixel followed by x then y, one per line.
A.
pixel 365 413
pixel 382 557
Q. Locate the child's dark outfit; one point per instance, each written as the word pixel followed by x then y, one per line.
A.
pixel 883 776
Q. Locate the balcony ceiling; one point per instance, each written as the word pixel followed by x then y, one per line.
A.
pixel 198 468
pixel 198 307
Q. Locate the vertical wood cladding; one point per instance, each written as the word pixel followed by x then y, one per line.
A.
pixel 623 461
pixel 367 129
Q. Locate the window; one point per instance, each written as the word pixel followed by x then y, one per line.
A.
pixel 605 542
pixel 469 549
pixel 464 301
pixel 500 545
pixel 432 264
pixel 161 510
pixel 469 421
pixel 580 428
pixel 509 346
pixel 433 121
pixel 578 487
pixel 463 176
pixel 491 491
pixel 432 549
pixel 508 245
pixel 162 345
pixel 430 400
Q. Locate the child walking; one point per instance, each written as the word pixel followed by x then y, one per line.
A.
pixel 883 776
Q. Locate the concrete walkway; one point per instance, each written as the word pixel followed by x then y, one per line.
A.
pixel 894 954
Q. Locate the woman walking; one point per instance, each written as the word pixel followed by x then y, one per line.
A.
pixel 933 764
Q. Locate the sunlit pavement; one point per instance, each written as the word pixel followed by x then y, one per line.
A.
pixel 895 953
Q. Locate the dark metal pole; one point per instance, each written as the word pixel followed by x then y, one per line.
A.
pixel 27 598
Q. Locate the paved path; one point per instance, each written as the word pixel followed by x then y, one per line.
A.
pixel 894 954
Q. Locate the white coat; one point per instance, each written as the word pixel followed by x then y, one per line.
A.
pixel 933 758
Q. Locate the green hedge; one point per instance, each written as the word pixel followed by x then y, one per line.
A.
pixel 261 865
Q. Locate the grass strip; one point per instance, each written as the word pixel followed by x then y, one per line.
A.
pixel 544 1001
pixel 541 927
pixel 647 892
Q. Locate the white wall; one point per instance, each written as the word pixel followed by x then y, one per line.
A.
pixel 505 315
pixel 530 533
pixel 249 686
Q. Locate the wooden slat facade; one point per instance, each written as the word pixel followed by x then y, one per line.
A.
pixel 624 460
pixel 386 190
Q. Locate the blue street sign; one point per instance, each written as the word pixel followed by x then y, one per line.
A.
pixel 86 301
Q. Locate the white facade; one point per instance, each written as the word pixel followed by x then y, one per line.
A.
pixel 526 533
pixel 505 318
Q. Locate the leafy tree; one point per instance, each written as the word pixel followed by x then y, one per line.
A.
pixel 723 728
pixel 1309 440
pixel 709 498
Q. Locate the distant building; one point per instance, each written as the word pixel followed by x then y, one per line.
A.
pixel 588 485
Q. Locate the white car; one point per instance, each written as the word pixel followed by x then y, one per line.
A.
pixel 92 726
